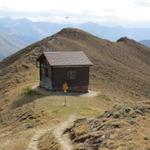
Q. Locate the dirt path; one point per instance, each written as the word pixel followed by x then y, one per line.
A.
pixel 33 145
pixel 64 140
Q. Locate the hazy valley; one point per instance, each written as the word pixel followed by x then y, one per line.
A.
pixel 16 34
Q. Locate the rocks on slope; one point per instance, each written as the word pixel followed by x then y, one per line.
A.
pixel 124 127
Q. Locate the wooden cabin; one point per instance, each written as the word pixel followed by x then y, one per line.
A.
pixel 71 67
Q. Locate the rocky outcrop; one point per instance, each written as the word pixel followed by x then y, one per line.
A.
pixel 119 128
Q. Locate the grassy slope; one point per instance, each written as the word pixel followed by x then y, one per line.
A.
pixel 21 122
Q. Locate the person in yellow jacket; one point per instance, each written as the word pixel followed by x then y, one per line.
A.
pixel 65 89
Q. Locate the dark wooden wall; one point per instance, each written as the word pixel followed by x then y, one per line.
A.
pixel 58 76
pixel 80 83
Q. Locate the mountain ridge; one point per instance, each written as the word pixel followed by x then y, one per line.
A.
pixel 122 65
pixel 120 77
pixel 25 32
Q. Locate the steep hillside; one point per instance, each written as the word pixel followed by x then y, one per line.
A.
pixel 122 66
pixel 120 75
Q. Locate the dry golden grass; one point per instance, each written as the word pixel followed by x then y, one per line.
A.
pixel 124 127
pixel 48 142
pixel 121 73
pixel 15 140
pixel 40 109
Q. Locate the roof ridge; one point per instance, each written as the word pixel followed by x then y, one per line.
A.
pixel 61 58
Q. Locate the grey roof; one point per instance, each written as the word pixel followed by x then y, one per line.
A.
pixel 71 58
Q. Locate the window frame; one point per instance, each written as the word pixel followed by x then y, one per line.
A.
pixel 71 74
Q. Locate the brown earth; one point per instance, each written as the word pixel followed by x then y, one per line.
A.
pixel 121 74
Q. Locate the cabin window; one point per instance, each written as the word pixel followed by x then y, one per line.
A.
pixel 46 72
pixel 71 75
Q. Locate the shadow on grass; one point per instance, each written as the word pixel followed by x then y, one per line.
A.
pixel 47 92
pixel 27 96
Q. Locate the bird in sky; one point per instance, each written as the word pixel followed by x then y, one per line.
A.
pixel 66 17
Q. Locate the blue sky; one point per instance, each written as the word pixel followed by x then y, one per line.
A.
pixel 110 12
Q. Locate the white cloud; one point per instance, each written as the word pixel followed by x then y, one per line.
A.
pixel 117 11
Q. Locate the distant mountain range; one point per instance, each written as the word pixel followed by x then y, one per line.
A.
pixel 145 42
pixel 18 33
pixel 8 44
